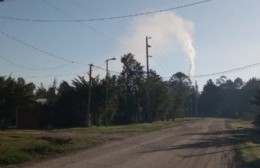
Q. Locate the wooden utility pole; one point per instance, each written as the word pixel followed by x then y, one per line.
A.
pixel 196 99
pixel 89 95
pixel 147 55
pixel 148 75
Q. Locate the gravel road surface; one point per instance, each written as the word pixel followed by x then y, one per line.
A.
pixel 201 144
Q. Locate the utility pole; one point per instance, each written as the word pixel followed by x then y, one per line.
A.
pixel 148 75
pixel 196 99
pixel 89 94
pixel 147 55
pixel 106 115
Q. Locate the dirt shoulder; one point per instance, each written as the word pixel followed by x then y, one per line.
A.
pixel 207 143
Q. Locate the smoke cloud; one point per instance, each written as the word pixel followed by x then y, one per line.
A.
pixel 168 31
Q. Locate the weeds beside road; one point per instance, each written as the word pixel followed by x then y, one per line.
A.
pixel 248 144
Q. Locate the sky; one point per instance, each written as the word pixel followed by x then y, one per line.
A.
pixel 206 38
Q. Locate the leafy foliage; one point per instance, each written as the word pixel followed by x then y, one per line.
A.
pixel 132 98
pixel 229 98
pixel 14 95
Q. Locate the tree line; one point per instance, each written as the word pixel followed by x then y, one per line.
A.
pixel 132 98
pixel 227 98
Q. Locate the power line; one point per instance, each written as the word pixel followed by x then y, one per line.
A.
pixel 72 74
pixel 87 25
pixel 57 75
pixel 30 68
pixel 225 72
pixel 77 4
pixel 38 49
pixel 47 52
pixel 159 56
pixel 196 76
pixel 35 48
pixel 229 71
pixel 105 18
pixel 108 70
pixel 90 27
pixel 54 7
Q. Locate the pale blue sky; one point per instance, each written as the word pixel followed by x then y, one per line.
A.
pixel 225 35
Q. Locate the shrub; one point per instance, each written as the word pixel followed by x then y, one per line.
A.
pixel 14 158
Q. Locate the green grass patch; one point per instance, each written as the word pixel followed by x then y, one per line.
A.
pixel 250 153
pixel 139 127
pixel 18 146
pixel 14 158
pixel 26 146
pixel 143 127
pixel 249 149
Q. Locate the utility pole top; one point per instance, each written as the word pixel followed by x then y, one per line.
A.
pixel 147 55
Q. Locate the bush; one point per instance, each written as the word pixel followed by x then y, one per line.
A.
pixel 44 149
pixel 14 158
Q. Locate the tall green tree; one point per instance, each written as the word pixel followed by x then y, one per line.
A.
pixel 160 98
pixel 131 80
pixel 15 95
pixel 209 101
pixel 113 99
pixel 180 88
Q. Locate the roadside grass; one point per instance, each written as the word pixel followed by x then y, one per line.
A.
pixel 142 127
pixel 18 146
pixel 21 146
pixel 248 149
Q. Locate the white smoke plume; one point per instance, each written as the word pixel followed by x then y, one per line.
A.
pixel 168 30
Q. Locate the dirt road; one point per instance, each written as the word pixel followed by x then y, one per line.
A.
pixel 203 144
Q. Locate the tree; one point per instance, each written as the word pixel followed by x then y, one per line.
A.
pixel 238 83
pixel 113 99
pixel 131 80
pixel 180 88
pixel 256 99
pixel 252 84
pixel 15 95
pixel 41 92
pixel 229 98
pixel 132 73
pixel 222 80
pixel 209 101
pixel 64 88
pixel 160 98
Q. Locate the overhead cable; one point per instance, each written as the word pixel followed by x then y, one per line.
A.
pixel 57 75
pixel 225 72
pixel 72 74
pixel 228 71
pixel 104 18
pixel 30 68
pixel 39 50
pixel 196 76
pixel 108 70
pixel 110 37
